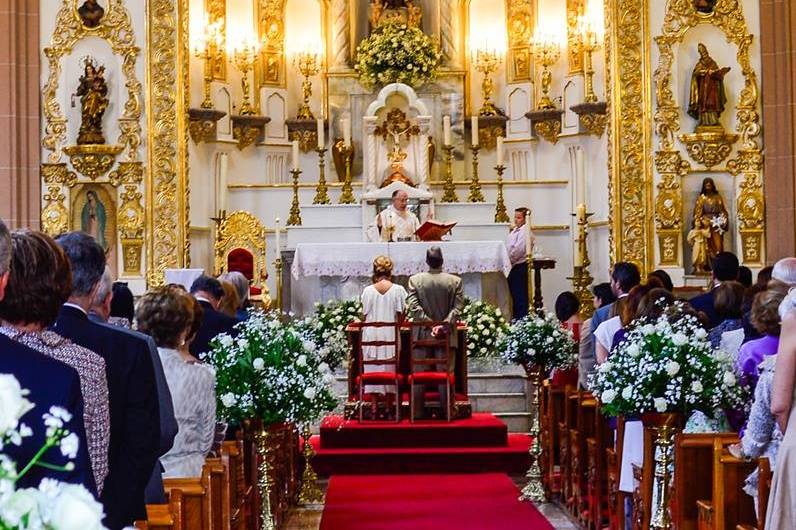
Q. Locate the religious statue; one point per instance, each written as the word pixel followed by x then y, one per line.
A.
pixel 93 94
pixel 705 6
pixel 711 221
pixel 394 11
pixel 707 97
pixel 395 127
pixel 93 218
pixel 91 13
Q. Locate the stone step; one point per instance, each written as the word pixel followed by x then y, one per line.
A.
pixel 496 383
pixel 499 402
pixel 515 421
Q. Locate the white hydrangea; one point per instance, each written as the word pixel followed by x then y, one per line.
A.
pixel 608 396
pixel 660 404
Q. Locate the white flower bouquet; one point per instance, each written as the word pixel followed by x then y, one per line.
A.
pixel 53 505
pixel 326 328
pixel 668 366
pixel 396 53
pixel 270 371
pixel 540 341
pixel 486 328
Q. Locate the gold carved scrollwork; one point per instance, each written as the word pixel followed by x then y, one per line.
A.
pixel 548 129
pixel 575 10
pixel 127 173
pixel 217 14
pixel 728 16
pixel 131 224
pixel 669 204
pixel 521 22
pixel 54 215
pixel 58 174
pixel 270 16
pixel 240 229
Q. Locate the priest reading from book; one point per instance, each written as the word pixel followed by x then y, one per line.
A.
pixel 396 222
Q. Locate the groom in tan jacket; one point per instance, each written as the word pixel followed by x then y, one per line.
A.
pixel 436 296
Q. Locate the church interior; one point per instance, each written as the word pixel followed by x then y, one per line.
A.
pixel 543 152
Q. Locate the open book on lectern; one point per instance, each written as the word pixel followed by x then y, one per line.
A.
pixel 433 230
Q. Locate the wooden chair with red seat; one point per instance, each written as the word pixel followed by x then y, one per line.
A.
pixel 389 376
pixel 429 373
pixel 240 246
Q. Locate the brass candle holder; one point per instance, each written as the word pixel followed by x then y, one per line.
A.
pixel 547 51
pixel 309 64
pixel 592 113
pixel 278 269
pixel 501 215
pixel 347 194
pixel 449 188
pixel 581 277
pixel 310 490
pixel 244 59
pixel 321 190
pixel 534 488
pixel 294 219
pixel 207 50
pixel 247 126
pixel 487 62
pixel 475 185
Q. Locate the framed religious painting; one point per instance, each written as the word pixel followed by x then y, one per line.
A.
pixel 93 211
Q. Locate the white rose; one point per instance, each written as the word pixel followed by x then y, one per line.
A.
pixel 69 446
pixel 258 364
pixel 13 404
pixel 608 396
pixel 633 350
pixel 225 340
pixel 696 387
pixel 701 333
pixel 21 503
pixel 679 339
pixel 729 378
pixel 648 329
pixel 75 509
pixel 309 393
pixel 605 367
pixel 228 399
pixel 660 404
pixel 672 367
pixel 243 343
pixel 324 368
pixel 309 345
pixel 627 392
pixel 302 360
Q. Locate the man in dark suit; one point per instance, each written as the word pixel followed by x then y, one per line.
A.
pixel 100 312
pixel 725 268
pixel 51 383
pixel 208 291
pixel 624 276
pixel 135 419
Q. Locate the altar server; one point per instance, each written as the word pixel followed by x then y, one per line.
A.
pixel 396 222
pixel 518 242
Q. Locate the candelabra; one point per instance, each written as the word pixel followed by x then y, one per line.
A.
pixel 581 278
pixel 207 50
pixel 592 113
pixel 475 185
pixel 449 188
pixel 501 216
pixel 294 219
pixel 347 194
pixel 486 62
pixel 309 65
pixel 244 58
pixel 322 190
pixel 547 51
pixel 589 44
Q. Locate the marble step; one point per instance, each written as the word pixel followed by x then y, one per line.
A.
pixel 499 402
pixel 496 383
pixel 515 421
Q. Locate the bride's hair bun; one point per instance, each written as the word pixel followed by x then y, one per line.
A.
pixel 382 266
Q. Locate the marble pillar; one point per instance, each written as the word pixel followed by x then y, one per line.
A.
pixel 19 113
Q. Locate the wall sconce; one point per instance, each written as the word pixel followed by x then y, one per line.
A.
pixel 492 119
pixel 202 122
pixel 546 118
pixel 248 127
pixel 592 113
pixel 304 127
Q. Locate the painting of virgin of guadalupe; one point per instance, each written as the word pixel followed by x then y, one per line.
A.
pixel 94 212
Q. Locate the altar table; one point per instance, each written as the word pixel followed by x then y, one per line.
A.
pixel 319 272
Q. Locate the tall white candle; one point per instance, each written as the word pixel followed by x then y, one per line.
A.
pixel 295 156
pixel 446 130
pixel 278 237
pixel 347 132
pixel 321 134
pixel 528 243
pixel 500 150
pixel 223 164
pixel 474 127
pixel 578 255
pixel 580 168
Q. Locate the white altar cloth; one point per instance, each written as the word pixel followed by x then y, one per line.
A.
pixel 356 259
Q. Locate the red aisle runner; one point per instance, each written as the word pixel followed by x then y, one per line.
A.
pixel 428 502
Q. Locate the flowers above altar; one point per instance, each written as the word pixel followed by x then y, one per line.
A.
pixel 486 328
pixel 271 371
pixel 53 505
pixel 668 366
pixel 539 341
pixel 397 53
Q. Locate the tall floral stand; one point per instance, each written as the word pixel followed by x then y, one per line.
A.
pixel 264 438
pixel 665 426
pixel 310 490
pixel 534 489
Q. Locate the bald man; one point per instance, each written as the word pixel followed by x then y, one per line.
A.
pixel 396 222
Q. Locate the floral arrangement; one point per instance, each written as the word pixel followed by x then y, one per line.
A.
pixel 539 340
pixel 397 53
pixel 271 371
pixel 326 328
pixel 486 328
pixel 53 505
pixel 668 366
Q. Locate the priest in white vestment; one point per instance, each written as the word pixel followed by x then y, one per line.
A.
pixel 396 222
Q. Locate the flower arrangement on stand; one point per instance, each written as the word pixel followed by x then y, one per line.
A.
pixel 665 370
pixel 54 505
pixel 539 344
pixel 272 372
pixel 486 328
pixel 326 328
pixel 397 53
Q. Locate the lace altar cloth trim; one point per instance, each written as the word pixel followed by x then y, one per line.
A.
pixel 356 259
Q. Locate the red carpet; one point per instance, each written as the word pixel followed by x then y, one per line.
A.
pixel 428 502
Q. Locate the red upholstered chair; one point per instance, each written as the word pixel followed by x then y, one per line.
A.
pixel 428 373
pixel 242 260
pixel 240 246
pixel 390 375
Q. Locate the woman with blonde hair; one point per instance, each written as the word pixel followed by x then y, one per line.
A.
pixel 231 300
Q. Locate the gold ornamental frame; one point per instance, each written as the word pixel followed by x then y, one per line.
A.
pixel 241 229
pixel 728 16
pixel 270 68
pixel 520 25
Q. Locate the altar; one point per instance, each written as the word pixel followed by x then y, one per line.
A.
pixel 317 272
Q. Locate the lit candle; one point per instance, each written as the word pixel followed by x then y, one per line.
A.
pixel 321 131
pixel 500 150
pixel 295 157
pixel 347 132
pixel 446 130
pixel 528 243
pixel 474 127
pixel 223 163
pixel 278 237
pixel 580 169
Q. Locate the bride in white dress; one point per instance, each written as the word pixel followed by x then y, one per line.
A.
pixel 383 301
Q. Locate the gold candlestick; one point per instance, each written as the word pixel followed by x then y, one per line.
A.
pixel 486 62
pixel 581 277
pixel 207 49
pixel 310 490
pixel 244 58
pixel 501 216
pixel 278 269
pixel 534 489
pixel 475 185
pixel 309 65
pixel 347 195
pixel 322 190
pixel 547 50
pixel 295 210
pixel 449 188
pixel 589 44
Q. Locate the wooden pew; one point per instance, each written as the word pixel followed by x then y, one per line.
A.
pixel 616 498
pixel 729 504
pixel 564 424
pixel 584 428
pixel 596 476
pixel 763 489
pixel 205 499
pixel 164 516
pixel 240 492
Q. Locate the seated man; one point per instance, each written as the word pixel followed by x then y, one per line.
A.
pixel 435 296
pixel 395 223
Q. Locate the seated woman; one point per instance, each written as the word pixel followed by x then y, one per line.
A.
pixel 765 318
pixel 167 315
pixel 568 313
pixel 727 300
pixel 383 301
